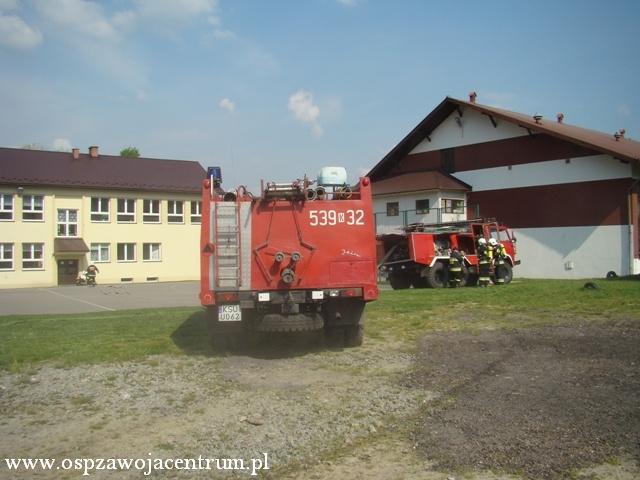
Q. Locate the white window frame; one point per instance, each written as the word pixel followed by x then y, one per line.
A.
pixel 147 250
pixel 67 223
pixel 451 207
pixel 98 248
pixel 6 248
pixel 126 211
pixel 33 255
pixel 127 246
pixel 150 211
pixel 197 216
pixel 32 208
pixel 172 211
pixel 100 211
pixel 6 198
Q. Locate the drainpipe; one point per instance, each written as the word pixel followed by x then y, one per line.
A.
pixel 631 207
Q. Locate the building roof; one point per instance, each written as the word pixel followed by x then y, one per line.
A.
pixel 43 168
pixel 622 148
pixel 419 181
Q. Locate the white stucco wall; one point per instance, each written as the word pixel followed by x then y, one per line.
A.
pixel 475 128
pixel 583 169
pixel 407 202
pixel 573 252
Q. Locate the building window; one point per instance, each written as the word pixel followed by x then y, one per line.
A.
pixel 6 206
pixel 32 256
pixel 151 211
pixel 32 207
pixel 175 212
pixel 393 209
pixel 126 210
pixel 6 256
pixel 196 212
pixel 100 252
pixel 151 252
pixel 452 206
pixel 422 206
pixel 126 252
pixel 99 209
pixel 67 222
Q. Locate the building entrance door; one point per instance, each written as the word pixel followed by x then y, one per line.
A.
pixel 67 272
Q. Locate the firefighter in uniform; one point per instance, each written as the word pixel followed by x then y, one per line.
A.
pixel 499 257
pixel 456 259
pixel 484 263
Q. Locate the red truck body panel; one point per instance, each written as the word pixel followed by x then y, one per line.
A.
pixel 334 238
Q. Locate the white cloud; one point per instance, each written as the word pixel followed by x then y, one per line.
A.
pixel 624 110
pixel 80 15
pixel 16 34
pixel 62 144
pixel 223 34
pixel 227 104
pixel 349 3
pixel 174 11
pixel 303 108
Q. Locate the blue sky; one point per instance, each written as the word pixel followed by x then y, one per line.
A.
pixel 277 89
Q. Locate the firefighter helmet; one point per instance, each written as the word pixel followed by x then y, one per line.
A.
pixel 493 242
pixel 482 241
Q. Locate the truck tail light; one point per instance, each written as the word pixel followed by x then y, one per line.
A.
pixel 351 292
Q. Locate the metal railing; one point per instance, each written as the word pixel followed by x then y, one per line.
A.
pixel 388 224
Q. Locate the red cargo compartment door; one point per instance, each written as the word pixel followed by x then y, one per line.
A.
pixel 352 273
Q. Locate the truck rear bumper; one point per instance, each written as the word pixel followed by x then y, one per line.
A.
pixel 253 299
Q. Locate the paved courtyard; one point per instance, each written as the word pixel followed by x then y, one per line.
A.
pixel 74 299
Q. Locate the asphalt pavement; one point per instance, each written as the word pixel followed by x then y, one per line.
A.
pixel 81 299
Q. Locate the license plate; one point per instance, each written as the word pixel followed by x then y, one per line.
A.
pixel 229 313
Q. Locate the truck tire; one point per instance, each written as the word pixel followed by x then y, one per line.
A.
pixel 437 276
pixel 399 281
pixel 418 281
pixel 508 273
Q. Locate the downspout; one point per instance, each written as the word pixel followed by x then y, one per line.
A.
pixel 631 207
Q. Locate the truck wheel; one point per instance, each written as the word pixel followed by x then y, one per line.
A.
pixel 399 282
pixel 437 276
pixel 508 273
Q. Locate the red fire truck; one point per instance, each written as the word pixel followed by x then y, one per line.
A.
pixel 299 257
pixel 419 256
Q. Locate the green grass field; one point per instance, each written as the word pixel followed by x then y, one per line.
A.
pixel 398 316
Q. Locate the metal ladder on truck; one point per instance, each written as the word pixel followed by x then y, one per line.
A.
pixel 227 237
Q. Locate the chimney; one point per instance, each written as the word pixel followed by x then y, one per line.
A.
pixel 76 153
pixel 472 97
pixel 560 117
pixel 93 151
pixel 537 118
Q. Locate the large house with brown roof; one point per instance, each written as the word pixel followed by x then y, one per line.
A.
pixel 135 219
pixel 570 194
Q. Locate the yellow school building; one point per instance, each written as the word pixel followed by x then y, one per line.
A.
pixel 135 219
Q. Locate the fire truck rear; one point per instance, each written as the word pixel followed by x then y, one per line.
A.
pixel 298 257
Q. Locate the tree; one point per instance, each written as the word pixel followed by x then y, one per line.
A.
pixel 131 152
